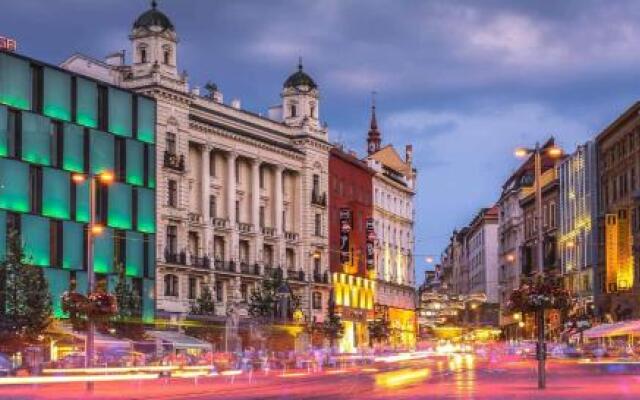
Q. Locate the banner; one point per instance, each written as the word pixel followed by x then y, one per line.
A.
pixel 371 240
pixel 345 230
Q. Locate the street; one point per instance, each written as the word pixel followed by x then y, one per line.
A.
pixel 457 376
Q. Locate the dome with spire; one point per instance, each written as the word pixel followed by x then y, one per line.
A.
pixel 299 78
pixel 153 17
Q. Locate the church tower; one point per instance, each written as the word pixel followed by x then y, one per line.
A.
pixel 374 138
pixel 300 100
pixel 154 43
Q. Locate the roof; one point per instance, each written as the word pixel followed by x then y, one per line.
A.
pixel 153 17
pixel 355 161
pixel 300 78
pixel 180 340
pixel 629 113
pixel 389 157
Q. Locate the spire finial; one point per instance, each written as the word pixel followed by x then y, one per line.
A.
pixel 374 122
pixel 154 4
pixel 300 63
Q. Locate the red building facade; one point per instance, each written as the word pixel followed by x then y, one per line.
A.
pixel 351 256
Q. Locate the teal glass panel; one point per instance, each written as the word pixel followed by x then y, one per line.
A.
pixel 14 185
pixel 72 245
pixel 146 210
pixel 82 282
pixel 4 149
pixel 101 145
pixel 119 210
pixel 56 193
pixel 120 112
pixel 152 167
pixel 58 281
pixel 73 148
pixel 35 234
pixel 56 102
pixel 15 82
pixel 87 103
pixel 135 255
pixel 135 162
pixel 3 235
pixel 148 301
pixel 146 120
pixel 151 260
pixel 36 139
pixel 103 252
pixel 82 202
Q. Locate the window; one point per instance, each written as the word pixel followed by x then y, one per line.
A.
pixel 86 103
pixel 143 55
pixel 171 285
pixel 318 225
pixel 313 111
pixel 55 243
pixel 56 94
pixel 172 239
pixel 219 291
pixel 244 292
pixel 146 119
pixel 167 56
pixel 13 137
pixel 237 210
pixel 317 301
pixel 193 285
pixel 261 216
pixel 316 184
pixel 212 163
pixel 173 193
pixel 120 109
pixel 15 82
pixel 213 209
pixel 194 244
pixel 35 189
pixel 170 142
pixel 293 111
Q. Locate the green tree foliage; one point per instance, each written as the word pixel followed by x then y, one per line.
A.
pixel 379 330
pixel 25 303
pixel 204 305
pixel 332 326
pixel 128 319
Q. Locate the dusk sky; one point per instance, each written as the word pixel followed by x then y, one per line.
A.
pixel 464 81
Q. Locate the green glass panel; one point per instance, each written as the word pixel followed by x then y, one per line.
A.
pixel 87 103
pixel 14 185
pixel 119 210
pixel 82 202
pixel 4 149
pixel 3 234
pixel 36 139
pixel 151 259
pixel 103 252
pixel 15 82
pixel 73 149
pixel 120 112
pixel 101 145
pixel 57 94
pixel 56 193
pixel 58 281
pixel 35 234
pixel 146 120
pixel 152 167
pixel 146 210
pixel 72 245
pixel 148 301
pixel 82 282
pixel 135 162
pixel 135 255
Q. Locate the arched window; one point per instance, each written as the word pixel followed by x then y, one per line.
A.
pixel 166 55
pixel 294 111
pixel 171 285
pixel 143 54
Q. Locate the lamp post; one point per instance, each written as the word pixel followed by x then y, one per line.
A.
pixel 94 229
pixel 553 152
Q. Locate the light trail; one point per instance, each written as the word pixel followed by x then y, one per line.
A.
pixel 31 380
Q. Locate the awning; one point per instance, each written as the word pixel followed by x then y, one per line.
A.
pixel 180 340
pixel 100 339
pixel 623 328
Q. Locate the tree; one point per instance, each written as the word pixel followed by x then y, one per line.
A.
pixel 263 302
pixel 332 326
pixel 379 330
pixel 204 305
pixel 25 303
pixel 128 319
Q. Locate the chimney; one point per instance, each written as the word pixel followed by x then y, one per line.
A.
pixel 408 157
pixel 116 59
pixel 235 103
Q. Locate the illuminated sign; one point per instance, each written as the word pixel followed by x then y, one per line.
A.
pixel 371 240
pixel 8 44
pixel 345 229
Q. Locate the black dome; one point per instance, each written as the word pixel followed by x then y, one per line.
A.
pixel 300 78
pixel 153 17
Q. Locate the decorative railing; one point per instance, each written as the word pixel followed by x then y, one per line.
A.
pixel 175 258
pixel 319 199
pixel 220 223
pixel 244 227
pixel 268 231
pixel 200 262
pixel 291 236
pixel 295 275
pixel 195 218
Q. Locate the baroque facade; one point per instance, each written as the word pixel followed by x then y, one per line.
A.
pixel 240 196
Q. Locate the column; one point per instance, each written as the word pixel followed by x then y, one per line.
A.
pixel 231 205
pixel 278 200
pixel 255 208
pixel 205 192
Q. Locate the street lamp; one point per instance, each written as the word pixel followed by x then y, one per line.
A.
pixel 94 229
pixel 537 151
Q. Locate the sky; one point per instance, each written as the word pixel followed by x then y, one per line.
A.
pixel 465 82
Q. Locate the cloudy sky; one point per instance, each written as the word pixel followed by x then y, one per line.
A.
pixel 464 81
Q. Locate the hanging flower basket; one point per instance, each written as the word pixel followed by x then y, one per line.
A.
pixel 95 306
pixel 540 294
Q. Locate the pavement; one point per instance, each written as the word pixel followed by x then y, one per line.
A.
pixel 455 377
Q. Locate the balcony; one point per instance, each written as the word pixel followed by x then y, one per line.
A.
pixel 268 231
pixel 225 266
pixel 270 271
pixel 195 218
pixel 320 278
pixel 244 227
pixel 319 199
pixel 291 236
pixel 295 275
pixel 171 257
pixel 200 262
pixel 173 161
pixel 220 223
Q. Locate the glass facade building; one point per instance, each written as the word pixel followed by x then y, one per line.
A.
pixel 53 124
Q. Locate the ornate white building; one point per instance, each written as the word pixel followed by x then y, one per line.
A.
pixel 239 195
pixel 394 186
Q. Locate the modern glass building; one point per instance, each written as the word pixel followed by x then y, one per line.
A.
pixel 53 124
